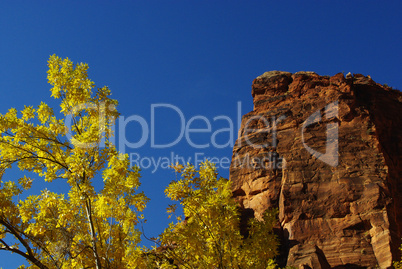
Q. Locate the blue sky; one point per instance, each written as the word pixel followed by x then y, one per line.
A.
pixel 199 57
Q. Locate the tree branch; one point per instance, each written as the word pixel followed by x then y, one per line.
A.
pixel 88 209
pixel 30 256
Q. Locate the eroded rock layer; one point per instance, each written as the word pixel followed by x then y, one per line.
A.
pixel 326 151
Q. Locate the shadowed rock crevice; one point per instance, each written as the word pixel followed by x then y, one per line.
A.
pixel 333 213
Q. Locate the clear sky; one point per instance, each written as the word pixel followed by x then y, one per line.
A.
pixel 190 61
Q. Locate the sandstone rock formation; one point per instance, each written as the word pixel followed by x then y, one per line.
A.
pixel 326 151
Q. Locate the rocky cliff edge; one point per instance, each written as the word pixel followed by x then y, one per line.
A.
pixel 326 151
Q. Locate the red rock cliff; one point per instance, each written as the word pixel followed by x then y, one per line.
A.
pixel 326 151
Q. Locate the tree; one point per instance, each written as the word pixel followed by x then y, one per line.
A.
pixel 93 223
pixel 83 228
pixel 209 234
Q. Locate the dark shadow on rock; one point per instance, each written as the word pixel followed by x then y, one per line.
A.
pixel 245 215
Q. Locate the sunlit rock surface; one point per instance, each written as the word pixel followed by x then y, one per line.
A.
pixel 327 152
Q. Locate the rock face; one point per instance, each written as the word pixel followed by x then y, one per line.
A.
pixel 326 151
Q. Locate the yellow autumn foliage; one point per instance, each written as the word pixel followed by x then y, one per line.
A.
pixel 88 227
pixel 82 228
pixel 209 235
